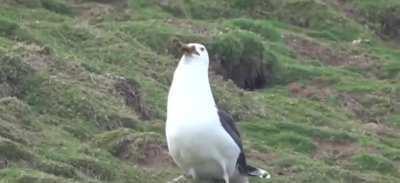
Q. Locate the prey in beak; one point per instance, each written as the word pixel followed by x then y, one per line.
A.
pixel 186 48
pixel 189 50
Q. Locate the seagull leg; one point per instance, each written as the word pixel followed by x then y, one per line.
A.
pixel 177 179
pixel 226 175
pixel 226 178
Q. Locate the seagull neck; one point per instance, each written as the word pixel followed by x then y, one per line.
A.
pixel 190 87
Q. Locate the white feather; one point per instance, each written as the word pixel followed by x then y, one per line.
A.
pixel 196 139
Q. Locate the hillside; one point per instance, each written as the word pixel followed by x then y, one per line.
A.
pixel 313 84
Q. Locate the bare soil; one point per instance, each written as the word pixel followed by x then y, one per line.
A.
pixel 310 49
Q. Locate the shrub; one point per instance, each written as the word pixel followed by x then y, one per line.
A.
pixel 241 56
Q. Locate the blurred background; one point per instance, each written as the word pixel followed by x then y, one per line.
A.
pixel 313 84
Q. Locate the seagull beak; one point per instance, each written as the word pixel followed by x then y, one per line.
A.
pixel 189 50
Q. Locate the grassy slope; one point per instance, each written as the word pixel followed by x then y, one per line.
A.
pixel 83 88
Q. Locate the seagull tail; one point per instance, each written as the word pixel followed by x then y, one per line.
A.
pixel 257 172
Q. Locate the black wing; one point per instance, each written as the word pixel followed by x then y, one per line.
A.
pixel 229 126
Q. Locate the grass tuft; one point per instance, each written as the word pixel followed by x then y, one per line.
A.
pixel 374 163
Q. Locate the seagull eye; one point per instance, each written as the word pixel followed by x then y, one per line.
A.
pixel 202 49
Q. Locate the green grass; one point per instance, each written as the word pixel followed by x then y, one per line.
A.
pixel 375 163
pixel 65 118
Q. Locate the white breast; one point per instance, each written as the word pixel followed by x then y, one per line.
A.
pixel 196 139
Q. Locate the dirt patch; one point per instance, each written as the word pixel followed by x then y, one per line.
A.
pixel 313 91
pixel 153 156
pixel 309 49
pixel 96 11
pixel 129 91
pixel 39 63
pixel 268 160
pixel 369 107
pixel 31 48
pixel 337 151
pixel 351 104
pixel 379 129
pixel 36 56
pixel 259 156
pixel 144 150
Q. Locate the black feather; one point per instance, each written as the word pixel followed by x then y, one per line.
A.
pixel 230 127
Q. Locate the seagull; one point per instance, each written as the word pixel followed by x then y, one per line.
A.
pixel 202 139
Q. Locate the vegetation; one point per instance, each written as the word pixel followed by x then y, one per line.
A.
pixel 313 84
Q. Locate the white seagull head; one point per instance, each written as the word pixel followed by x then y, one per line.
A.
pixel 195 53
